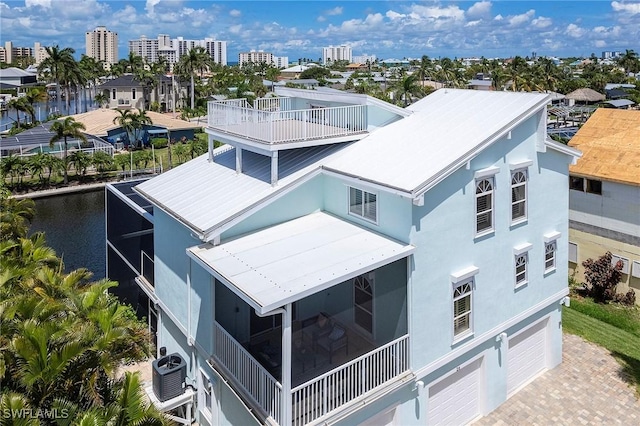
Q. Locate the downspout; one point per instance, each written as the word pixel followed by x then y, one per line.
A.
pixel 286 403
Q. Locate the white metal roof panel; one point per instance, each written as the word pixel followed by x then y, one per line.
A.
pixel 294 259
pixel 445 127
pixel 204 195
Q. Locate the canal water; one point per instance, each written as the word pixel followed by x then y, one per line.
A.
pixel 74 226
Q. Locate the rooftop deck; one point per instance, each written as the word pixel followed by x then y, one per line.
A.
pixel 270 122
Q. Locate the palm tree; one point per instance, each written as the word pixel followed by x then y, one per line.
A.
pixel 92 70
pixel 57 62
pixel 196 60
pixel 64 129
pixel 629 61
pixel 102 162
pixel 81 161
pixel 19 105
pixel 33 96
pixel 102 99
pixel 406 87
pixel 132 123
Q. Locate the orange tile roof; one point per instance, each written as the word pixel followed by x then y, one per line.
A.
pixel 610 145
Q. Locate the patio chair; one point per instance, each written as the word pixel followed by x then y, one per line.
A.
pixel 334 341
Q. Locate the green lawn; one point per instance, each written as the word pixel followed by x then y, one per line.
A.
pixel 615 328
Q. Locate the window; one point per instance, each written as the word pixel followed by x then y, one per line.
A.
pixel 113 93
pixel 462 308
pixel 594 186
pixel 205 397
pixel 625 262
pixel 518 195
pixel 573 252
pixel 363 204
pixel 521 269
pixel 550 256
pixel 576 183
pixel 133 93
pixel 484 205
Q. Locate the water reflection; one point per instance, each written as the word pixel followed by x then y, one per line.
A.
pixel 74 225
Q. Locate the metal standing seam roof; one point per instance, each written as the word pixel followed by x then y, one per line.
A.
pixel 610 145
pixel 446 127
pixel 205 195
pixel 294 259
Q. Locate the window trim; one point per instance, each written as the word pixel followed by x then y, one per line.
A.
pixel 458 278
pixel 525 200
pixel 490 210
pixel 525 258
pixel 469 331
pixel 521 252
pixel 625 262
pixel 364 203
pixel 554 256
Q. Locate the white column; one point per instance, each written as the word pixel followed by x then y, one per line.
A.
pixel 238 160
pixel 274 168
pixel 286 367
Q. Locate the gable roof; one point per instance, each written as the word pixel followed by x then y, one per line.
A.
pixel 610 145
pixel 14 72
pixel 413 154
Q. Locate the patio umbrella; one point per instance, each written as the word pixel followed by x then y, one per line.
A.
pixel 586 95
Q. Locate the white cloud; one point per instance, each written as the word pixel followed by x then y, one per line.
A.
pixel 516 20
pixel 473 23
pixel 542 22
pixel 498 18
pixel 575 31
pixel 632 8
pixel 151 4
pixel 480 9
pixel 335 11
pixel 235 13
pixel 394 15
pixel 42 3
pixel 321 18
pixel 600 43
pixel 235 29
pixel 435 12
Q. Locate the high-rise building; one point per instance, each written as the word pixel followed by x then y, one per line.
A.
pixel 102 45
pixel 172 49
pixel 336 53
pixel 10 54
pixel 364 59
pixel 260 56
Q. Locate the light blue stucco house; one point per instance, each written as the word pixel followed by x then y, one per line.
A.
pixel 344 261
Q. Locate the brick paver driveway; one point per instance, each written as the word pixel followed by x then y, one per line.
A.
pixel 586 389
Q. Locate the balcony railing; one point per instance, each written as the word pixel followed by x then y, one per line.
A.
pixel 337 387
pixel 146 268
pixel 276 127
pixel 251 376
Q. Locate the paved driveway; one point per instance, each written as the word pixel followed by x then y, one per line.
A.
pixel 587 389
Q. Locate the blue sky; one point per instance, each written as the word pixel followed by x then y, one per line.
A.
pixel 297 29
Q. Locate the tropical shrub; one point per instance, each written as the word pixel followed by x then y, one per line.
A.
pixel 159 142
pixel 602 278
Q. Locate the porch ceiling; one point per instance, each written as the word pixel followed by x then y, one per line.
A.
pixel 287 262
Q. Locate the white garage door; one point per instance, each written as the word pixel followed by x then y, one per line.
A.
pixel 455 400
pixel 527 356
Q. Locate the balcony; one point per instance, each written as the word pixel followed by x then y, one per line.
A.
pixel 271 122
pixel 329 390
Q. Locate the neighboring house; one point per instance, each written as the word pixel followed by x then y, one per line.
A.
pixel 345 261
pixel 604 201
pixel 127 92
pixel 17 77
pixel 104 124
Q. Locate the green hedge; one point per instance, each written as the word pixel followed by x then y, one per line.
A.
pixel 159 142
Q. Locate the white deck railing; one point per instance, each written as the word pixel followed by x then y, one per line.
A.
pixel 276 127
pixel 273 104
pixel 341 385
pixel 254 379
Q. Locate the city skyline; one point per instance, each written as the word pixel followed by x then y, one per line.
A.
pixel 387 29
